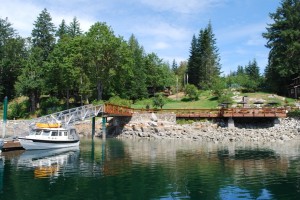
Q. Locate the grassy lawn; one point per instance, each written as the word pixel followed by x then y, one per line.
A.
pixel 207 100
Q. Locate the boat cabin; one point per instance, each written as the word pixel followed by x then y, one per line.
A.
pixel 55 133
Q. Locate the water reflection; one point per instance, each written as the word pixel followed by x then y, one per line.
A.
pixel 48 163
pixel 154 169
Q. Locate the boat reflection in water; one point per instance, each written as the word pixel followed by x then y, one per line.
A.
pixel 49 163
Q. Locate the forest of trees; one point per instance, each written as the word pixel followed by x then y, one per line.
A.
pixel 66 64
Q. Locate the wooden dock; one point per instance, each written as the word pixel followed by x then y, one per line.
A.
pixel 115 110
pixel 12 145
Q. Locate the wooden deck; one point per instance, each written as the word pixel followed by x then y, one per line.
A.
pixel 114 110
pixel 12 145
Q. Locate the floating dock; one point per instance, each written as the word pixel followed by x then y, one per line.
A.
pixel 11 145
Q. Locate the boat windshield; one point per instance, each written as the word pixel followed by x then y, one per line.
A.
pixel 37 132
pixel 45 133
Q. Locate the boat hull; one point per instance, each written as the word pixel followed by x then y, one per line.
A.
pixel 33 144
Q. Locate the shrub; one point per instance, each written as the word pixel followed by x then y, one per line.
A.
pixel 192 92
pixel 119 101
pixel 159 100
pixel 293 113
pixel 18 109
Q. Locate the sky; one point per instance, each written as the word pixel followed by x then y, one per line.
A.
pixel 165 27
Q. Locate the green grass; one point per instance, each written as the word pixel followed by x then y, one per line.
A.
pixel 207 100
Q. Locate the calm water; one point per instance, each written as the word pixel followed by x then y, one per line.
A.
pixel 152 169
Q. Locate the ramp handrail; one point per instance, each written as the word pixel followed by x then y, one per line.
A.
pixel 70 116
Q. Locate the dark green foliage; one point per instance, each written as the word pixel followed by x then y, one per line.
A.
pixel 12 57
pixel 246 79
pixel 192 92
pixel 218 87
pixel 174 67
pixel 62 30
pixel 225 98
pixel 119 101
pixel 73 29
pixel 159 100
pixel 294 113
pixel 50 105
pixel 283 37
pixel 77 68
pixel 203 65
pixel 43 34
pixel 18 109
pixel 31 81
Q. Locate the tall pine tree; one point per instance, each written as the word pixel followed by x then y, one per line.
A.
pixel 204 66
pixel 283 37
pixel 31 80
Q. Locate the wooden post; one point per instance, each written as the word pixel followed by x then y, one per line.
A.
pixel 4 116
pixel 93 127
pixel 104 128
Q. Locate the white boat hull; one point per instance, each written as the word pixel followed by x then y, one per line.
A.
pixel 43 144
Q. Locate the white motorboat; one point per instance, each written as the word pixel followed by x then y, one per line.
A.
pixel 50 137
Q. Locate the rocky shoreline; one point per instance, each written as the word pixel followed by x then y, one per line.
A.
pixel 164 127
pixel 286 129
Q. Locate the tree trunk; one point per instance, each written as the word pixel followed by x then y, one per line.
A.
pixel 99 90
pixel 68 97
pixel 32 102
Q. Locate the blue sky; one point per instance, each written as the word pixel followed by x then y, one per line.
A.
pixel 165 27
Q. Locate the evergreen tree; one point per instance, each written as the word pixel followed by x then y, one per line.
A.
pixel 74 28
pixel 192 68
pixel 12 56
pixel 204 66
pixel 62 30
pixel 283 37
pixel 32 82
pixel 252 70
pixel 174 66
pixel 137 83
pixel 43 34
pixel 240 70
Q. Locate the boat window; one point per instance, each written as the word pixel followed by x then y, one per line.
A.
pixel 60 133
pixel 65 133
pixel 46 133
pixel 38 132
pixel 54 133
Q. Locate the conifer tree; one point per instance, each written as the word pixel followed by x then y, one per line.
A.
pixel 204 66
pixel 31 81
pixel 74 28
pixel 283 37
pixel 62 30
pixel 12 57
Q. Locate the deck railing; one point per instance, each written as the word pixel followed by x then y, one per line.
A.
pixel 209 113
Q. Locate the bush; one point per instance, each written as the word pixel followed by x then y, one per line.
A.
pixel 293 113
pixel 159 100
pixel 225 98
pixel 192 92
pixel 119 101
pixel 18 109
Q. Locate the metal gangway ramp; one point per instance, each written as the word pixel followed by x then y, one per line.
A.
pixel 69 117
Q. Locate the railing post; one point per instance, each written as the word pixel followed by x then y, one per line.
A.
pixel 93 126
pixel 103 127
